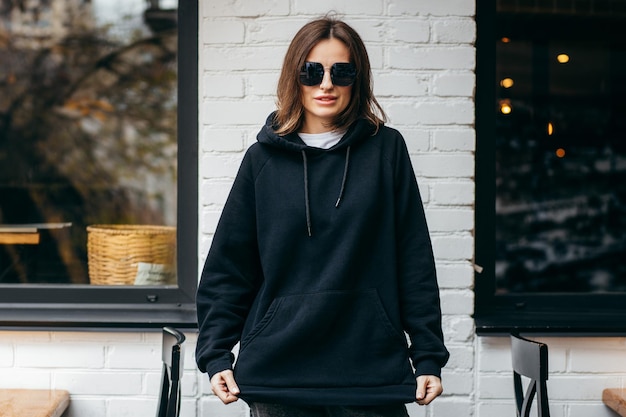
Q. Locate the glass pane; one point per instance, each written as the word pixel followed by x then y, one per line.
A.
pixel 560 148
pixel 88 107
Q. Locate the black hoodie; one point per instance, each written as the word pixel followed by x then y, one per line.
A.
pixel 320 262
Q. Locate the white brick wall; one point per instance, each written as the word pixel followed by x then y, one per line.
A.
pixel 423 61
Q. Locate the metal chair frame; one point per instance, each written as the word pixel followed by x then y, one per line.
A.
pixel 172 356
pixel 530 359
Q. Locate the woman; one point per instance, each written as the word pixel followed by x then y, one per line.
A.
pixel 322 258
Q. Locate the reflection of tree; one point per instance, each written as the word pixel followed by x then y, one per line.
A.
pixel 87 132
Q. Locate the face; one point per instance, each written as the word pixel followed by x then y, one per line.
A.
pixel 324 101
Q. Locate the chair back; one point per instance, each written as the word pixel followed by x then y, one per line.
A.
pixel 172 356
pixel 530 359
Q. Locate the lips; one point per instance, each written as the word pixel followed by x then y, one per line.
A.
pixel 326 99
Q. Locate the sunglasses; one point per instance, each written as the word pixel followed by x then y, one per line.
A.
pixel 341 74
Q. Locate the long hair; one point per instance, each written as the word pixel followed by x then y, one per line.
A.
pixel 290 110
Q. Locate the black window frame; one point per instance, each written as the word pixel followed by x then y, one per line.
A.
pixel 589 314
pixel 67 306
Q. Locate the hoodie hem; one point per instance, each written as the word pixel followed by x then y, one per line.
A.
pixel 330 396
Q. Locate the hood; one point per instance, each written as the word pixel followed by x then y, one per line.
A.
pixel 358 131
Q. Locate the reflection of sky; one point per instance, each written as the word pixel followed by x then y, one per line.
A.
pixel 124 16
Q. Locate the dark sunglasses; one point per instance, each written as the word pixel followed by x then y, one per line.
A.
pixel 341 74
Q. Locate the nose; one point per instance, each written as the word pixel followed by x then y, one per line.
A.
pixel 327 82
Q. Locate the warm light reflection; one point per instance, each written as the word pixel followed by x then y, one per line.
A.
pixel 562 58
pixel 550 129
pixel 505 40
pixel 560 152
pixel 507 83
pixel 505 107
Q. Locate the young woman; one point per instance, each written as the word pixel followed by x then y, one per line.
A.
pixel 322 258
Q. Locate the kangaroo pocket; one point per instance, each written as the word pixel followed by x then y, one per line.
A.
pixel 329 339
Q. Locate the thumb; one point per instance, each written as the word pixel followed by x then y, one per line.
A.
pixel 229 379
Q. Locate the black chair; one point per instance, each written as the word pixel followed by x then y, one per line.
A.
pixel 530 359
pixel 172 354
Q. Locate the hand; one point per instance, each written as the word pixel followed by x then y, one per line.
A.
pixel 224 386
pixel 428 388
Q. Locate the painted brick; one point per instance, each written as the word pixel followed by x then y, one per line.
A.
pixel 347 7
pixel 597 409
pixel 454 85
pixel 450 220
pixel 416 140
pixel 134 357
pixel 455 276
pixel 222 32
pixel 19 377
pixel 262 85
pixel 441 112
pixel 454 140
pixel 598 360
pixel 458 329
pixel 59 356
pixel 451 408
pixel 454 193
pixel 219 166
pixel 496 386
pixel 461 359
pixel 453 248
pixel 457 302
pixel 211 406
pixel 229 58
pixel 454 31
pixel 221 140
pixel 215 192
pixel 415 410
pixel 401 85
pixel 429 7
pixel 223 112
pixel 411 31
pixel 441 58
pixel 457 383
pixel 132 407
pixel 81 407
pixel 223 86
pixel 6 355
pixel 266 31
pixel 443 165
pixel 244 8
pixel 100 383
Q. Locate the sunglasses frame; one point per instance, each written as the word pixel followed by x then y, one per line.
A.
pixel 312 74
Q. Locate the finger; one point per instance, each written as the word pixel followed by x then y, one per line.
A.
pixel 428 388
pixel 230 382
pixel 220 387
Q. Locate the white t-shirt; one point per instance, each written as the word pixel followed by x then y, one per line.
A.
pixel 324 140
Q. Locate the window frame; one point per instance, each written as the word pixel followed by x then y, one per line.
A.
pixel 590 314
pixel 30 305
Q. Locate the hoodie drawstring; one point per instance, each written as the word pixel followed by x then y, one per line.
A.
pixel 307 206
pixel 306 193
pixel 345 176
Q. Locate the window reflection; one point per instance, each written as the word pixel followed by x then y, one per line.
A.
pixel 87 128
pixel 560 153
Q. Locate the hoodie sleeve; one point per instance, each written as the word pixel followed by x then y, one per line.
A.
pixel 230 276
pixel 420 303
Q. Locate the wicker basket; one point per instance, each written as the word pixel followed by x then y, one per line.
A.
pixel 115 251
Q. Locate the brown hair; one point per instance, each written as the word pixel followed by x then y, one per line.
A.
pixel 290 111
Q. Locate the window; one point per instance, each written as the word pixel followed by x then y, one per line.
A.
pixel 551 166
pixel 98 162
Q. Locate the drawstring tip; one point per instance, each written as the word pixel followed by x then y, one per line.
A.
pixel 308 229
pixel 337 203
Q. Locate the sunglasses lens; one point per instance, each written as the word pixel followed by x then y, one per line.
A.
pixel 311 73
pixel 343 74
